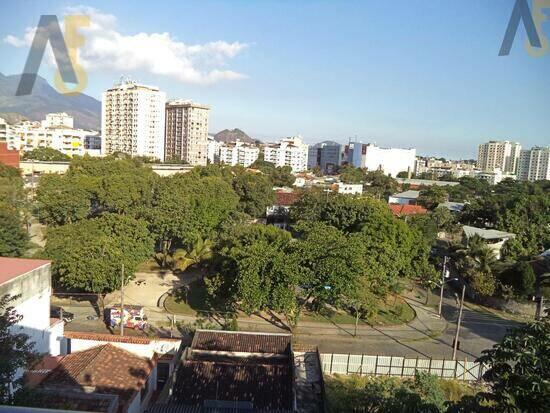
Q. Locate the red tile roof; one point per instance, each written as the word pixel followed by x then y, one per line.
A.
pixel 405 210
pixel 106 337
pixel 285 198
pixel 241 342
pixel 11 268
pixel 106 369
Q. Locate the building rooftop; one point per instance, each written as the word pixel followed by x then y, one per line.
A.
pixel 241 342
pixel 488 234
pixel 11 268
pixel 406 210
pixel 228 369
pixel 407 194
pixel 283 198
pixel 104 369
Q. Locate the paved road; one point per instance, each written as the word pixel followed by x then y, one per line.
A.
pixel 425 336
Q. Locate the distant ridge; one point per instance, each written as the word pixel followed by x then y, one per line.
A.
pixel 45 99
pixel 231 135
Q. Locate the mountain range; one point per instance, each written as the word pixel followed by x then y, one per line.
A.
pixel 45 99
pixel 231 135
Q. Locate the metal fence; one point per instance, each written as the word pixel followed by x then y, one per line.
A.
pixel 363 364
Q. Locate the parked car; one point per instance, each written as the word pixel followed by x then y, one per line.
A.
pixel 134 317
pixel 55 312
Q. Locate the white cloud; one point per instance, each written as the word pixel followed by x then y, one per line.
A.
pixel 155 53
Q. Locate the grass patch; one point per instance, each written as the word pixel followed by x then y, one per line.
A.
pixel 150 265
pixel 394 310
pixel 193 301
pixel 353 393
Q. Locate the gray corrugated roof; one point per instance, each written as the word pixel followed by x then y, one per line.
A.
pixel 486 233
pixel 407 194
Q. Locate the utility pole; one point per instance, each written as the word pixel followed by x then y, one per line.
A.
pixel 455 344
pixel 443 273
pixel 122 301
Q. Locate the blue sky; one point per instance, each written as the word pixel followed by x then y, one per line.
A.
pixel 415 73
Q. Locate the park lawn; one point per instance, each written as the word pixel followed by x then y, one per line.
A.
pixel 393 311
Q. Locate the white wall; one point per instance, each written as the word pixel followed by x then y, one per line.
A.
pixel 390 160
pixel 159 346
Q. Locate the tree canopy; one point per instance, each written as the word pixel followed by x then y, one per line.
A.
pixel 88 255
pixel 46 154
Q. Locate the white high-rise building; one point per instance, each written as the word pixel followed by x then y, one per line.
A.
pixel 291 152
pixel 132 120
pixel 54 132
pixel 391 161
pixel 238 153
pixel 186 132
pixel 213 150
pixel 534 164
pixel 57 120
pixel 498 155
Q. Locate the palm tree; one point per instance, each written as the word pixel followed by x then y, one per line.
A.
pixel 477 261
pixel 200 251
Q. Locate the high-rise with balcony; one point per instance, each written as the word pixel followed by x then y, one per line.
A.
pixel 186 132
pixel 498 155
pixel 291 152
pixel 132 120
pixel 534 164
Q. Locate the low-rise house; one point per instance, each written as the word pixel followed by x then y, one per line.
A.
pixel 452 206
pixel 404 198
pixel 100 371
pixel 493 238
pixel 403 210
pixel 277 214
pixel 244 371
pixel 350 189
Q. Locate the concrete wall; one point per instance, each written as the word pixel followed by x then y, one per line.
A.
pixel 33 304
pixel 29 167
pixel 159 346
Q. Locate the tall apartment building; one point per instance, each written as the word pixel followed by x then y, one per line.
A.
pixel 391 161
pixel 534 164
pixel 291 152
pixel 501 155
pixel 4 130
pixel 132 120
pixel 54 132
pixel 326 155
pixel 186 132
pixel 238 153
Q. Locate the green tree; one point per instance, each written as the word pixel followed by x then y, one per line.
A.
pixel 46 154
pixel 255 193
pixel 63 199
pixel 380 184
pixel 279 176
pixel 351 175
pixel 256 270
pixel 476 263
pixel 88 255
pixel 185 208
pixel 16 352
pixel 521 277
pixel 518 370
pixel 344 212
pixel 13 238
pixel 7 171
pixel 432 196
pixel 331 263
pixel 402 174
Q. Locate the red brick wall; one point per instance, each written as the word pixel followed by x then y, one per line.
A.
pixel 8 157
